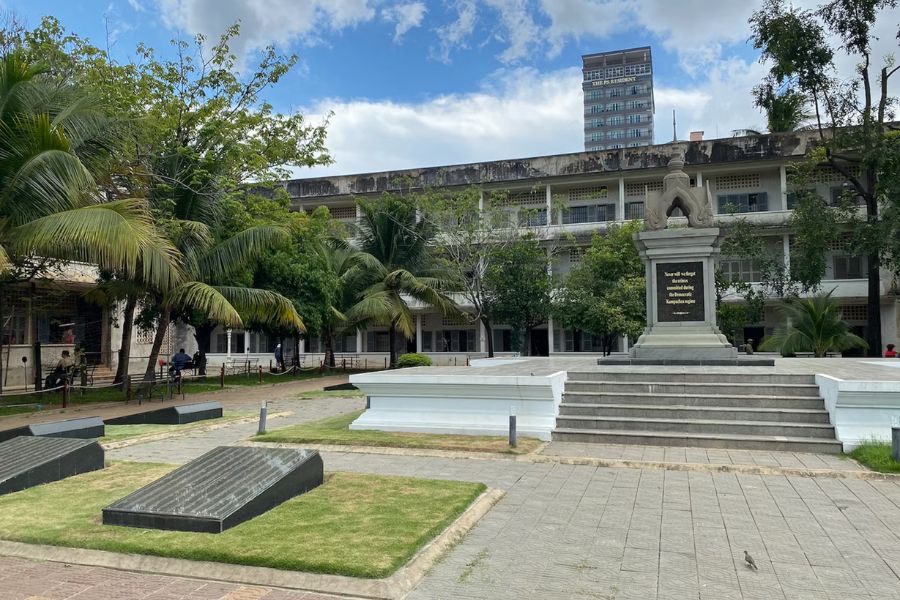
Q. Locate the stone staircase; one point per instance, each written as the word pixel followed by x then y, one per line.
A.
pixel 713 410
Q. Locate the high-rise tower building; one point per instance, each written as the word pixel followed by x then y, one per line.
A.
pixel 618 99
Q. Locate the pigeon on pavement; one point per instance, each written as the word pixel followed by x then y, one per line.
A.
pixel 750 562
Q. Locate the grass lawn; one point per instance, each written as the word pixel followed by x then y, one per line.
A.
pixel 335 430
pixel 354 524
pixel 115 433
pixel 876 456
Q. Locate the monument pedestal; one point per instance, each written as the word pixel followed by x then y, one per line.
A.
pixel 681 302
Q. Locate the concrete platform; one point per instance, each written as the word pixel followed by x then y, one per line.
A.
pixel 172 415
pixel 85 428
pixel 221 489
pixel 28 461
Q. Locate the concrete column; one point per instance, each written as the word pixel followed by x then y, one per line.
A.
pixel 419 333
pixel 302 348
pixel 549 198
pixel 358 215
pixel 620 204
pixel 625 343
pixel 782 177
pixel 550 336
pixel 246 342
pixel 699 179
pixel 228 342
pixel 359 340
pixel 786 244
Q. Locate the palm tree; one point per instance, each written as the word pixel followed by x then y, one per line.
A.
pixel 813 325
pixel 400 267
pixel 346 264
pixel 54 139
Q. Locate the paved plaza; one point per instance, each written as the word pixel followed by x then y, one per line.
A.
pixel 583 532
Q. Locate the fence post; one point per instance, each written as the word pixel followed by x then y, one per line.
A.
pixel 65 395
pixel 260 373
pixel 129 393
pixel 222 376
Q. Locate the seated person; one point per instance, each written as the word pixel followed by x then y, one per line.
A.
pixel 180 361
pixel 61 370
pixel 890 352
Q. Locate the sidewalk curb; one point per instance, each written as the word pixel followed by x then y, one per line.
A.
pixel 613 463
pixel 394 587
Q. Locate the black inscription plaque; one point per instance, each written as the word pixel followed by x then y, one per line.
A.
pixel 679 292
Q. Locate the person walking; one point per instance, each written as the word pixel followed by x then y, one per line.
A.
pixel 279 358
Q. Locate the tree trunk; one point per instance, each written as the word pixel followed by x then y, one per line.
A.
pixel 201 334
pixel 526 342
pixel 392 344
pixel 489 334
pixel 162 326
pixel 873 320
pixel 127 330
pixel 328 341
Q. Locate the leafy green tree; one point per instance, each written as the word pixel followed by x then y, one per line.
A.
pixel 605 295
pixel 814 325
pixel 853 117
pixel 518 286
pixel 402 266
pixel 785 112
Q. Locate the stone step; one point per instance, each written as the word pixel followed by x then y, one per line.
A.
pixel 641 399
pixel 627 375
pixel 728 389
pixel 692 376
pixel 697 440
pixel 792 415
pixel 710 426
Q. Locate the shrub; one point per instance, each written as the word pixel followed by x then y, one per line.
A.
pixel 413 359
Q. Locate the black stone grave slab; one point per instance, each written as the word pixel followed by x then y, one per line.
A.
pixel 226 486
pixel 172 415
pixel 28 461
pixel 85 428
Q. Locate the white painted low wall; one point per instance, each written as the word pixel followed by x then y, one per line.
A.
pixel 471 404
pixel 860 411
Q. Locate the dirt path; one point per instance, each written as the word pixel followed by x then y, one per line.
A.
pixel 228 397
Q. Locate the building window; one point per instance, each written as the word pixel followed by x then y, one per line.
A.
pixel 588 193
pixel 793 197
pixel 636 144
pixel 736 269
pixel 378 341
pixel 614 106
pixel 636 90
pixel 455 340
pixel 637 133
pixel 594 94
pixel 596 123
pixel 576 255
pixel 637 105
pixel 533 218
pixel 839 193
pixel 597 136
pixel 848 267
pixel 596 108
pixel 615 120
pixel 634 210
pixel 593 213
pixel 743 203
pixel 615 71
pixel 637 70
pixel 616 134
pixel 616 92
pixel 592 75
pixel 614 146
pixel 737 182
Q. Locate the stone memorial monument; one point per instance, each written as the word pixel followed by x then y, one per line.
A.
pixel 680 272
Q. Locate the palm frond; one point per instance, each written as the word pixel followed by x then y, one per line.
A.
pixel 240 250
pixel 117 236
pixel 263 306
pixel 207 299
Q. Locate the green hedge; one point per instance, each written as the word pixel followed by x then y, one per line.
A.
pixel 413 359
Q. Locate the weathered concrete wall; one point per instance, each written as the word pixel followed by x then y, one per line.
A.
pixel 705 152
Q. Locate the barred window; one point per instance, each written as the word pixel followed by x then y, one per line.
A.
pixel 342 212
pixel 744 203
pixel 849 267
pixel 533 218
pixel 740 269
pixel 634 211
pixel 855 312
pixel 592 213
pixel 576 255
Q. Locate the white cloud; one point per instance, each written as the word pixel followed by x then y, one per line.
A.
pixel 404 16
pixel 136 6
pixel 265 22
pixel 523 113
pixel 577 18
pixel 456 34
pixel 518 29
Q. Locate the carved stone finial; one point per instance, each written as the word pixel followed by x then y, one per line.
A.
pixel 677 192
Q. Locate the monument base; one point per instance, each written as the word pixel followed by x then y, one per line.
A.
pixel 740 361
pixel 681 341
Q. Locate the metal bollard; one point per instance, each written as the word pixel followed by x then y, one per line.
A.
pixel 512 427
pixel 263 410
pixel 260 373
pixel 222 377
pixel 895 442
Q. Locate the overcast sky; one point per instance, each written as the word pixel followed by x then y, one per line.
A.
pixel 425 83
